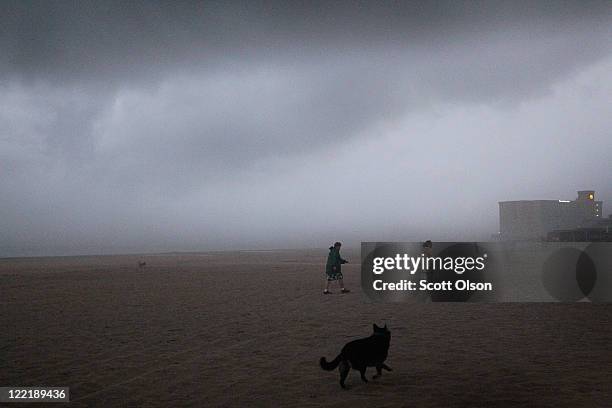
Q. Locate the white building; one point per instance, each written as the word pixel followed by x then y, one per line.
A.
pixel 533 219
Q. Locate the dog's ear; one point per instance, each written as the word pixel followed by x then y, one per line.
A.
pixel 385 326
pixel 375 327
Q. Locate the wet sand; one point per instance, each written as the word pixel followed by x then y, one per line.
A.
pixel 248 329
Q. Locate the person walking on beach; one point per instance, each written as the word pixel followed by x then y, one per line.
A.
pixel 333 268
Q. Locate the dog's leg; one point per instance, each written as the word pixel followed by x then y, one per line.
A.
pixel 363 371
pixel 378 371
pixel 386 367
pixel 344 368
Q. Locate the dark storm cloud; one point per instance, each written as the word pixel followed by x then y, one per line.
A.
pixel 151 125
pixel 69 41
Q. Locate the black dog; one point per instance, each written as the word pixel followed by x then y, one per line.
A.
pixel 361 354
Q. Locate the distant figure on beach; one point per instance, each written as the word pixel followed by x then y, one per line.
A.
pixel 333 268
pixel 427 274
pixel 142 263
pixel 428 248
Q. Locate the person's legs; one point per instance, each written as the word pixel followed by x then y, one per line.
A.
pixel 342 289
pixel 326 291
pixel 340 282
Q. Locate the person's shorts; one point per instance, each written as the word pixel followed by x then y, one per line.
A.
pixel 334 276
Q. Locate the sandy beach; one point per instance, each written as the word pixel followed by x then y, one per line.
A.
pixel 233 329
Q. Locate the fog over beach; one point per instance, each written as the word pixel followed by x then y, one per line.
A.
pixel 152 127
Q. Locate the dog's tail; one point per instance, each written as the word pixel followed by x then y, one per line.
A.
pixel 332 364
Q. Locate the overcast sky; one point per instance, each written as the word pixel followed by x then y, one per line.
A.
pixel 129 127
